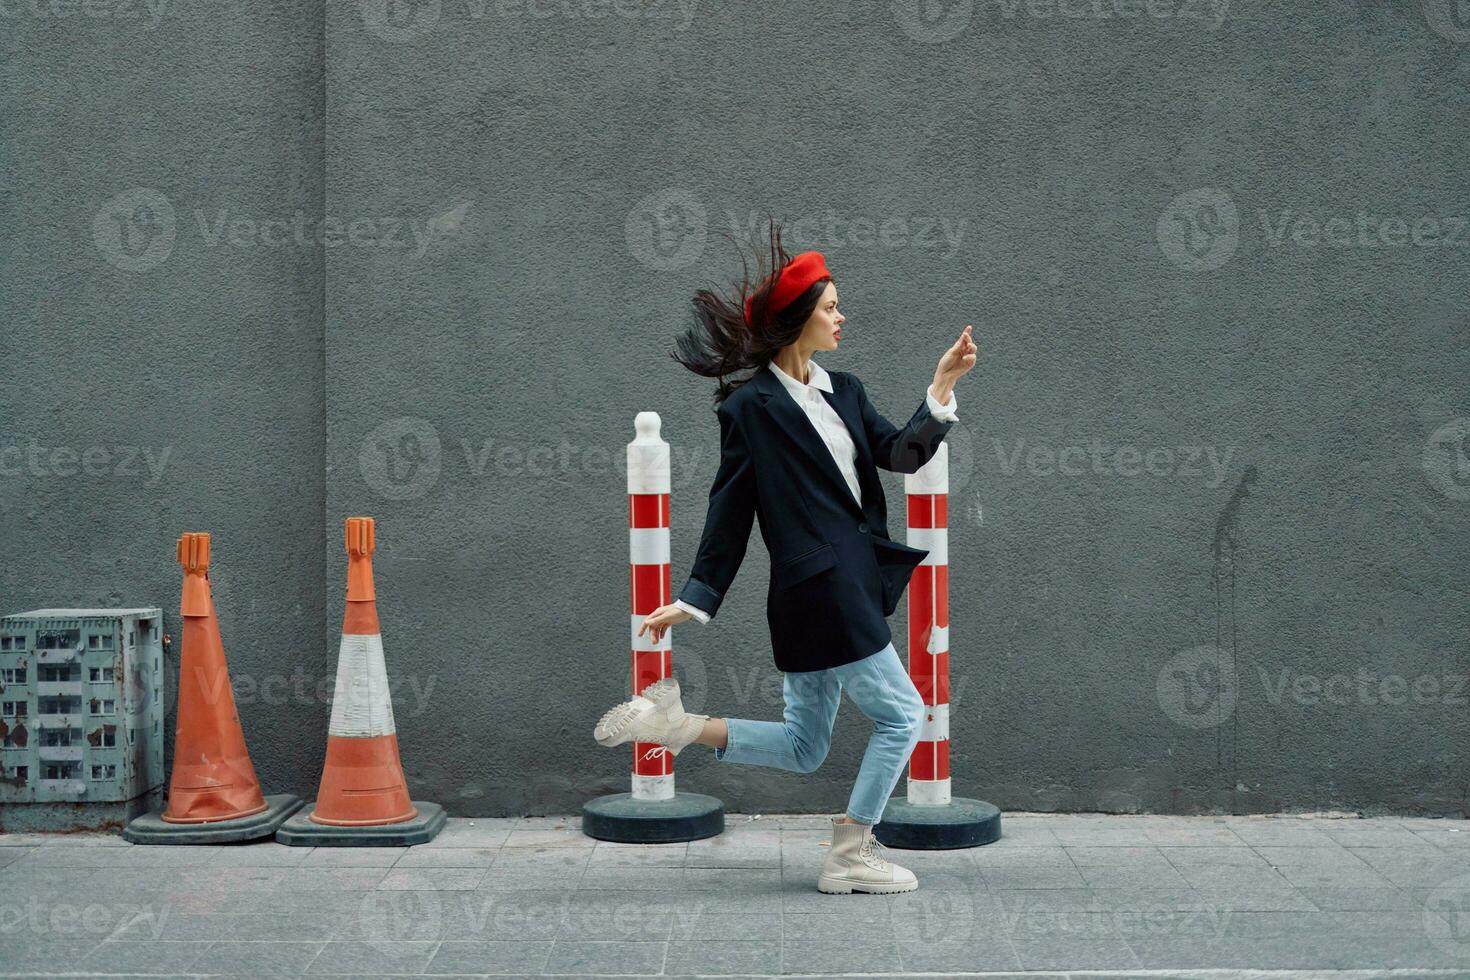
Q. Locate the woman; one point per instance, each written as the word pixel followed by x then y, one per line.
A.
pixel 800 448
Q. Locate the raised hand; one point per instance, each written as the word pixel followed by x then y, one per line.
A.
pixel 955 362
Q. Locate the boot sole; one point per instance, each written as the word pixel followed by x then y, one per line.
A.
pixel 837 886
pixel 609 735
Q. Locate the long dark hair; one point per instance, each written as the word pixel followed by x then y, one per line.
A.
pixel 720 343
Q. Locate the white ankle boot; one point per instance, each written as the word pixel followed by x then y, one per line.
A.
pixel 853 864
pixel 656 714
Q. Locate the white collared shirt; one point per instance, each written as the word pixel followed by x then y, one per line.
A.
pixel 834 433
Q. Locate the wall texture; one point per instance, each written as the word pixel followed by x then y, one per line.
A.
pixel 270 266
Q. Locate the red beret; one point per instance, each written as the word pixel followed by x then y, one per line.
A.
pixel 796 278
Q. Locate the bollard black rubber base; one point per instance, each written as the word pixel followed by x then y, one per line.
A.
pixel 151 828
pixel 938 826
pixel 619 817
pixel 300 831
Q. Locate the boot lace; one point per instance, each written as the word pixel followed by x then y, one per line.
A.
pixel 869 853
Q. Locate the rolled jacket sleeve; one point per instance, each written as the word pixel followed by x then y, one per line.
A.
pixel 694 611
pixel 945 412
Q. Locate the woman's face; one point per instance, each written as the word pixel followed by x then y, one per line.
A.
pixel 824 327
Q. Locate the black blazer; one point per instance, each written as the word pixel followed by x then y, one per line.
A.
pixel 835 574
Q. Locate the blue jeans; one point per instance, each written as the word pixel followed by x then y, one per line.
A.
pixel 881 688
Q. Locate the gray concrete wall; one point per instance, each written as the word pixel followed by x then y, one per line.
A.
pixel 161 333
pixel 1208 538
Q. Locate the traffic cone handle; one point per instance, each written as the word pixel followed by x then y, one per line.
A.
pixel 360 559
pixel 194 556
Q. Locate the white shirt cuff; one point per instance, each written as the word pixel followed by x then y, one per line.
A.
pixel 945 412
pixel 694 611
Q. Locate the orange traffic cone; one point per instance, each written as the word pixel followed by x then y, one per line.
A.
pixel 213 778
pixel 213 795
pixel 362 781
pixel 363 798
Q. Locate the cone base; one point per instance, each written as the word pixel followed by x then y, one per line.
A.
pixel 961 822
pixel 150 828
pixel 302 831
